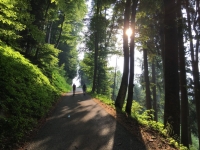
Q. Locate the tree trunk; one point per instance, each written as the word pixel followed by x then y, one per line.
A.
pixel 124 83
pixel 172 103
pixel 96 53
pixel 146 79
pixel 154 90
pixel 196 62
pixel 183 83
pixel 113 95
pixel 195 69
pixel 36 53
pixel 27 48
pixel 58 40
pixel 95 63
pixel 49 34
pixel 132 47
pixel 48 5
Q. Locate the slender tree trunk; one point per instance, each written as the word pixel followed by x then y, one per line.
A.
pixel 146 78
pixel 96 53
pixel 48 5
pixel 195 70
pixel 113 95
pixel 132 47
pixel 124 83
pixel 183 83
pixel 42 26
pixel 58 40
pixel 27 48
pixel 171 76
pixel 45 15
pixel 49 34
pixel 36 53
pixel 95 63
pixel 154 90
pixel 196 62
pixel 99 74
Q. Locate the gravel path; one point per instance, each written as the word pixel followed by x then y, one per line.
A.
pixel 79 123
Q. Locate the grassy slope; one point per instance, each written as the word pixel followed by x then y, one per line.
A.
pixel 26 95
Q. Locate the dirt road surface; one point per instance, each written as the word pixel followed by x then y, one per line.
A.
pixel 79 123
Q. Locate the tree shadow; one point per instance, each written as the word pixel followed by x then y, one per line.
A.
pixel 80 123
pixel 128 130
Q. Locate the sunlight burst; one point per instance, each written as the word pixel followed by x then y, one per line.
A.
pixel 129 32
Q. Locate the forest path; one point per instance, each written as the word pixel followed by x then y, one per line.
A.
pixel 79 123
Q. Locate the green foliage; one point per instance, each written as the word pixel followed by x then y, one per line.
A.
pixel 104 79
pixel 59 81
pixel 104 99
pixel 174 142
pixel 48 55
pixel 136 109
pixel 26 95
pixel 87 66
pixel 195 143
pixel 115 88
pixel 69 58
pixel 12 19
pixel 145 118
pixel 28 91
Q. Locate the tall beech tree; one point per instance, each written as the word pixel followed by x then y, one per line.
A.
pixel 154 90
pixel 132 47
pixel 96 43
pixel 124 83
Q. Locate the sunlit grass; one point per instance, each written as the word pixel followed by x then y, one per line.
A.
pixel 26 95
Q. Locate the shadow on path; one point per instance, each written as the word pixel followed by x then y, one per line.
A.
pixel 78 123
pixel 124 137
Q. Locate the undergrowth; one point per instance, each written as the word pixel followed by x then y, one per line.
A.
pixel 145 118
pixel 26 95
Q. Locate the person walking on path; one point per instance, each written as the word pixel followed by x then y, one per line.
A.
pixel 74 89
pixel 84 88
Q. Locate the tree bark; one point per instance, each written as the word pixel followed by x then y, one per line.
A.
pixel 113 95
pixel 49 33
pixel 146 79
pixel 124 83
pixel 132 47
pixel 58 40
pixel 183 83
pixel 172 103
pixel 47 8
pixel 96 53
pixel 154 90
pixel 195 69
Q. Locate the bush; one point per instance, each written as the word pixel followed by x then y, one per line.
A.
pixel 26 95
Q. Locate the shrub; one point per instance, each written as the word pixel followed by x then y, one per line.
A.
pixel 26 95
